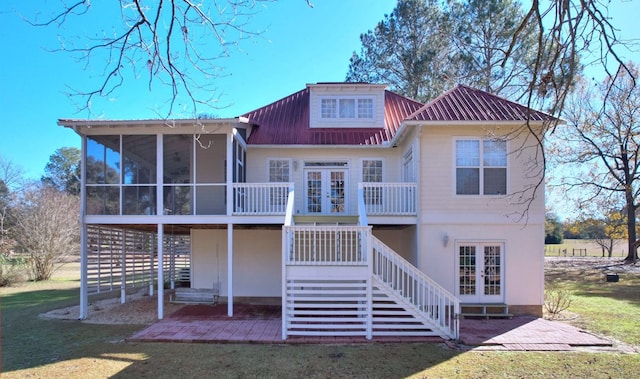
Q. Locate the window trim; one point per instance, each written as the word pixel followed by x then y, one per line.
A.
pixel 357 118
pixel 480 167
pixel 288 160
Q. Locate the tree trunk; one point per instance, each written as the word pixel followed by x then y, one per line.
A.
pixel 632 255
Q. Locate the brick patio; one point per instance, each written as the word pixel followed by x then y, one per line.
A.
pixel 263 324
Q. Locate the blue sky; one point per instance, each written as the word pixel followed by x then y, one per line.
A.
pixel 299 45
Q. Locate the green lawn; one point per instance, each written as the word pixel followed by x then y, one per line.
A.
pixel 41 348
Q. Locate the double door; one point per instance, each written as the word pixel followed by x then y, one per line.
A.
pixel 480 268
pixel 326 191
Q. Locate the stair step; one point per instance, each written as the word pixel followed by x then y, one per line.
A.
pixel 487 310
pixel 487 315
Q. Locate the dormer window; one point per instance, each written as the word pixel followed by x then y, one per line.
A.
pixel 347 108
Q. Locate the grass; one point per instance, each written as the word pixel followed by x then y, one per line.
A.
pixel 610 309
pixel 35 347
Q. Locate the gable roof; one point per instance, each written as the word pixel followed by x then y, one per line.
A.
pixel 286 122
pixel 464 103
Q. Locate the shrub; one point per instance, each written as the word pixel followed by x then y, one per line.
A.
pixel 556 300
pixel 12 270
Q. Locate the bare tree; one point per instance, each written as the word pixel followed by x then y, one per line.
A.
pixel 46 229
pixel 600 149
pixel 175 44
pixel 11 182
pixel 569 35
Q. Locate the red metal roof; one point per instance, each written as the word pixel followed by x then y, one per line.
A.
pixel 464 103
pixel 286 122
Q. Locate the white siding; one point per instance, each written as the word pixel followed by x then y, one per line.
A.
pixel 257 264
pixel 479 218
pixel 257 167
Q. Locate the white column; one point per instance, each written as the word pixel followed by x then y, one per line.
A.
pixel 230 270
pixel 231 164
pixel 84 291
pixel 368 251
pixel 160 212
pixel 160 272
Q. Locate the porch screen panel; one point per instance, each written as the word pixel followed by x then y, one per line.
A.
pixel 210 170
pixel 178 174
pixel 139 174
pixel 102 175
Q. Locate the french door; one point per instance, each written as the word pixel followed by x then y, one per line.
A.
pixel 480 272
pixel 326 191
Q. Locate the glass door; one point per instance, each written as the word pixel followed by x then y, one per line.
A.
pixel 326 191
pixel 480 268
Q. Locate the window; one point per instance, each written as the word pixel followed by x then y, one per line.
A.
pixel 279 172
pixel 346 108
pixel 365 108
pixel 481 167
pixel 372 173
pixel 329 108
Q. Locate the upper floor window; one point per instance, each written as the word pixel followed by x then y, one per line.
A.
pixel 279 170
pixel 481 167
pixel 346 108
pixel 372 173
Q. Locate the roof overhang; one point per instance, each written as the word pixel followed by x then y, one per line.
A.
pixel 404 127
pixel 84 126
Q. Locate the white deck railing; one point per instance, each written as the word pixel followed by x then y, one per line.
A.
pixel 382 199
pixel 260 198
pixel 325 245
pixel 433 301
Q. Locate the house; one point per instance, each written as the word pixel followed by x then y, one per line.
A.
pixel 359 210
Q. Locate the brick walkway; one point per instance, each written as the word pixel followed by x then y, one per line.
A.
pixel 263 324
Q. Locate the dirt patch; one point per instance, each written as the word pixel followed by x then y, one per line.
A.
pixel 591 265
pixel 139 309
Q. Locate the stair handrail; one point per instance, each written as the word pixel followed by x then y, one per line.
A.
pixel 443 313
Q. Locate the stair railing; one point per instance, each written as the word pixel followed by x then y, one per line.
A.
pixel 413 286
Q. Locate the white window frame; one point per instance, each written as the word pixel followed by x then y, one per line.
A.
pixel 272 160
pixel 481 166
pixel 373 196
pixel 336 114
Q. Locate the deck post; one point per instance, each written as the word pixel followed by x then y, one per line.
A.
pixel 84 291
pixel 84 266
pixel 285 234
pixel 160 272
pixel 230 270
pixel 368 253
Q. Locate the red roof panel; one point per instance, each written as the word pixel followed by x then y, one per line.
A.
pixel 286 122
pixel 464 103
